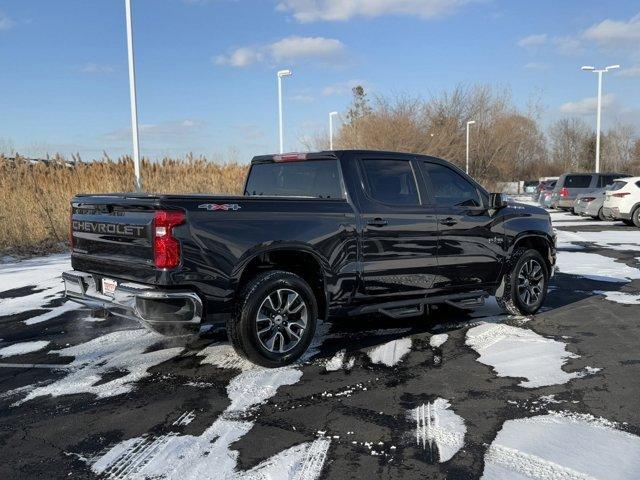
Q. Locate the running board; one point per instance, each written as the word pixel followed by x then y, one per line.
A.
pixel 414 307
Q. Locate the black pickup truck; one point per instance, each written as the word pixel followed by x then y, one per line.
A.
pixel 314 235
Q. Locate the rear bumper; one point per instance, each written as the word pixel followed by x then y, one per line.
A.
pixel 169 311
pixel 564 202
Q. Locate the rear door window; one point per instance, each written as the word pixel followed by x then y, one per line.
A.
pixel 450 188
pixel 310 178
pixel 391 181
pixel 577 181
pixel 617 186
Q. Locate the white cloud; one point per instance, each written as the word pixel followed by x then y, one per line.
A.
pixel 340 10
pixel 630 71
pixel 610 32
pixel 249 131
pixel 568 45
pixel 342 88
pixel 95 68
pixel 5 22
pixel 287 49
pixel 586 106
pixel 533 40
pixel 302 98
pixel 159 131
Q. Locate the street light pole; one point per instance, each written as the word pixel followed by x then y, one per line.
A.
pixel 600 71
pixel 134 103
pixel 331 115
pixel 281 73
pixel 470 122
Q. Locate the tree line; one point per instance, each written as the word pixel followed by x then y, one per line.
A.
pixel 507 143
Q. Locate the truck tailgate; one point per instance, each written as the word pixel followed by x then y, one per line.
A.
pixel 112 235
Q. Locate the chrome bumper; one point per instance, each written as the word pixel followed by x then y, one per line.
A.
pixel 154 308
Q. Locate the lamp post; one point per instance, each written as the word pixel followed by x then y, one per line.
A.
pixel 599 71
pixel 134 103
pixel 470 122
pixel 281 74
pixel 331 115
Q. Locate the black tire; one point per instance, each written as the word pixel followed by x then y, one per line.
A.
pixel 628 222
pixel 509 299
pixel 242 328
pixel 573 211
pixel 601 215
pixel 635 217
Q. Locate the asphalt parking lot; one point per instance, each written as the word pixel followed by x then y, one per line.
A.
pixel 457 394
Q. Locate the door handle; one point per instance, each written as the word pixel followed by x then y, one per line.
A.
pixel 377 222
pixel 449 222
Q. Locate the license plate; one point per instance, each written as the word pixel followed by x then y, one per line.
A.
pixel 109 286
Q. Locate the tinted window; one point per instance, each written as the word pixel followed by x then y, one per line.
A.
pixel 617 186
pixel 605 180
pixel 577 181
pixel 450 188
pixel 313 178
pixel 391 181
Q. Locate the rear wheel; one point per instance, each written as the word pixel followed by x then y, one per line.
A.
pixel 635 216
pixel 601 215
pixel 276 319
pixel 525 285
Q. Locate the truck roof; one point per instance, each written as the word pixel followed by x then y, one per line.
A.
pixel 326 154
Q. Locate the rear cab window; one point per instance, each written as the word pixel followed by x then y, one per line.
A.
pixel 390 181
pixel 577 181
pixel 308 178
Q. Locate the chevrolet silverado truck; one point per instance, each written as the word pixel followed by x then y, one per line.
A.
pixel 314 235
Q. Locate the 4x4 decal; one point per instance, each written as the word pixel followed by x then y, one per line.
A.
pixel 218 206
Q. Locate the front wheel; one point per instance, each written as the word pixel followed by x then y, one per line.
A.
pixel 275 321
pixel 525 285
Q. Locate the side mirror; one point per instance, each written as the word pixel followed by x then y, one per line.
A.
pixel 496 201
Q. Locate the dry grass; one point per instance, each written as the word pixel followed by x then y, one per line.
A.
pixel 34 198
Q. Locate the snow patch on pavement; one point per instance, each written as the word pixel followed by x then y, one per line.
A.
pixel 620 297
pixel 42 273
pixel 596 267
pixel 521 353
pixel 390 353
pixel 439 428
pixel 122 351
pixel 438 340
pixel 54 313
pixel 335 363
pixel 184 457
pixel 610 239
pixel 22 348
pixel 561 446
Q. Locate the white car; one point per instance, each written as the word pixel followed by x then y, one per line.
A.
pixel 622 201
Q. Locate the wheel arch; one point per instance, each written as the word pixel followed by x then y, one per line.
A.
pixel 536 241
pixel 301 260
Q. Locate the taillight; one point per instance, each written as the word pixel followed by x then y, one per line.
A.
pixel 620 195
pixel 564 192
pixel 72 240
pixel 166 248
pixel 289 157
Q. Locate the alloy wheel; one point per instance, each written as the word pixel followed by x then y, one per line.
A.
pixel 530 282
pixel 281 320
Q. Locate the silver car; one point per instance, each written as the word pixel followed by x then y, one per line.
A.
pixel 590 204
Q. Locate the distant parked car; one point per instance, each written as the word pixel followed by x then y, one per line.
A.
pixel 590 204
pixel 530 186
pixel 544 198
pixel 544 185
pixel 570 185
pixel 622 201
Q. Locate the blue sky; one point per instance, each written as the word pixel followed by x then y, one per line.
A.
pixel 206 68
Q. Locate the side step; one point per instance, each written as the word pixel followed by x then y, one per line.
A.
pixel 415 307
